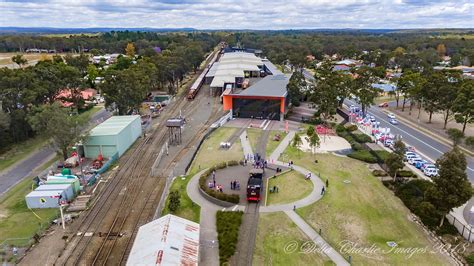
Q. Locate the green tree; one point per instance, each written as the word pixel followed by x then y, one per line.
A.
pixel 174 201
pixel 469 141
pixel 126 88
pixel 448 93
pixel 399 147
pixel 54 121
pixel 314 141
pixel 451 187
pixel 296 86
pixel 363 88
pixel 455 135
pixel 410 84
pixel 310 131
pixel 394 163
pixel 19 60
pixel 81 62
pixel 297 141
pixel 463 106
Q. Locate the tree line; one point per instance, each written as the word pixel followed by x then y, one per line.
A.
pixel 29 92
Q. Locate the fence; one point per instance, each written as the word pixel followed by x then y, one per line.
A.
pixel 222 120
pixel 465 230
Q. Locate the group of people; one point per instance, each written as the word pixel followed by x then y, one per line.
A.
pixel 235 185
pixel 278 170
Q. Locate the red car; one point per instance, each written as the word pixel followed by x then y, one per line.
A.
pixel 384 104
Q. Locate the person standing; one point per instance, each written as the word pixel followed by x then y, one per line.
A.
pixel 327 182
pixel 322 191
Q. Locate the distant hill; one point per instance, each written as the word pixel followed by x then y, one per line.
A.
pixel 49 30
pixel 46 30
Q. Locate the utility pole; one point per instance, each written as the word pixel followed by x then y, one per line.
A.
pixel 62 215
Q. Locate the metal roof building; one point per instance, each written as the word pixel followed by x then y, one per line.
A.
pixel 115 135
pixel 169 240
pixel 265 99
pixel 232 68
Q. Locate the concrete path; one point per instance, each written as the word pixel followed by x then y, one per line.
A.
pixel 246 147
pixel 209 246
pixel 282 146
pixel 317 239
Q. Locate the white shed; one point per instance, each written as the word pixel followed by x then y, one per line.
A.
pixel 169 240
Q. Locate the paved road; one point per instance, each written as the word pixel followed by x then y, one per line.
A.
pixel 427 146
pixel 26 167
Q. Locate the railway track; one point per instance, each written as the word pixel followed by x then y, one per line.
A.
pixel 247 234
pixel 128 200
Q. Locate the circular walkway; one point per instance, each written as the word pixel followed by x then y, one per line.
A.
pixel 193 192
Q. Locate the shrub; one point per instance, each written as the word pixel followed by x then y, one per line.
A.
pixel 174 201
pixel 381 155
pixel 340 129
pixel 363 155
pixel 356 146
pixel 470 258
pixel 405 173
pixel 362 138
pixel 221 165
pixel 378 172
pixel 351 128
pixel 232 163
pixel 227 225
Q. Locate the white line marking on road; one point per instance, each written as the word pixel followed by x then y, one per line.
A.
pixel 235 207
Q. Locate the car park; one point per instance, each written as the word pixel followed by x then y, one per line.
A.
pixel 419 164
pixel 428 166
pixel 388 143
pixel 372 119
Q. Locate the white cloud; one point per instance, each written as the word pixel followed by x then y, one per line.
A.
pixel 233 14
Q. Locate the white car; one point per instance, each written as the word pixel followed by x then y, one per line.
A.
pixel 430 172
pixel 409 157
pixel 391 116
pixel 388 143
pixel 393 121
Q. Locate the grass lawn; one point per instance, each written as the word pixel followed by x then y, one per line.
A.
pixel 275 231
pixel 187 209
pixel 16 220
pixel 292 187
pixel 387 98
pixel 272 144
pixel 210 152
pixel 254 135
pixel 363 212
pixel 21 150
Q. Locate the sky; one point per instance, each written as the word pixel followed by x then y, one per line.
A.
pixel 234 14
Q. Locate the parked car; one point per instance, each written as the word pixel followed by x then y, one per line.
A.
pixel 410 156
pixel 388 143
pixel 413 161
pixel 393 121
pixel 372 119
pixel 428 166
pixel 391 115
pixel 384 104
pixel 430 172
pixel 420 164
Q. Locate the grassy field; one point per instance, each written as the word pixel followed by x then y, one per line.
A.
pixel 16 220
pixel 292 186
pixel 254 135
pixel 363 213
pixel 187 209
pixel 210 153
pixel 21 150
pixel 272 144
pixel 275 231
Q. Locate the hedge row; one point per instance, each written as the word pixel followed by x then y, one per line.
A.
pixel 233 198
pixel 369 156
pixel 228 225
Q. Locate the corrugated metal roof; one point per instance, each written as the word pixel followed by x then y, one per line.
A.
pixel 271 86
pixel 113 125
pixel 169 240
pixel 44 193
